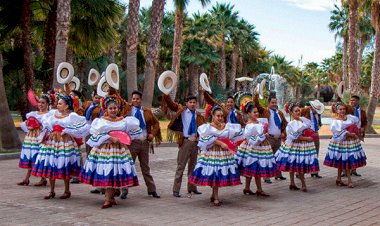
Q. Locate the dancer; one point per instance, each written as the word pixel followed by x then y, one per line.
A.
pixel 276 125
pixel 298 154
pixel 216 166
pixel 345 151
pixel 32 140
pixel 356 110
pixel 140 147
pixel 59 155
pixel 110 164
pixel 313 113
pixel 232 115
pixel 254 156
pixel 184 123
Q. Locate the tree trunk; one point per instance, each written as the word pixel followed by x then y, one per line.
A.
pixel 63 26
pixel 193 79
pixel 132 44
pixel 27 48
pixel 49 46
pixel 375 82
pixel 345 62
pixel 234 61
pixel 222 66
pixel 8 133
pixel 353 48
pixel 363 43
pixel 177 45
pixel 153 49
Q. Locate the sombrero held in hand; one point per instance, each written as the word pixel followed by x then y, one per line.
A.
pixel 167 81
pixel 203 80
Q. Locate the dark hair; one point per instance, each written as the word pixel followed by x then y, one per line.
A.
pixel 215 108
pixel 272 95
pixel 292 106
pixel 137 93
pixel 338 104
pixel 47 97
pixel 231 97
pixel 249 107
pixel 69 101
pixel 109 100
pixel 77 93
pixel 191 97
pixel 355 97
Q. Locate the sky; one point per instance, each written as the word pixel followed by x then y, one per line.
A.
pixel 290 28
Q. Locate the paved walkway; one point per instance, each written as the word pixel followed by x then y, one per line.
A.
pixel 324 204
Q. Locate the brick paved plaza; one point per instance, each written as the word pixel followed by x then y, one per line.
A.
pixel 324 204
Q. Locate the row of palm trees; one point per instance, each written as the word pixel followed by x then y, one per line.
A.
pixel 148 41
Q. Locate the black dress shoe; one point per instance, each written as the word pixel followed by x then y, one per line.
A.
pixel 268 181
pixel 356 174
pixel 124 194
pixel 154 194
pixel 95 191
pixel 176 194
pixel 280 178
pixel 316 175
pixel 196 192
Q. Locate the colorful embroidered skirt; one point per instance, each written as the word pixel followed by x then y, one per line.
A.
pixel 30 149
pixel 348 154
pixel 215 168
pixel 109 165
pixel 299 157
pixel 256 161
pixel 58 158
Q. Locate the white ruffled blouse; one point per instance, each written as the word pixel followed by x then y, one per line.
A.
pixel 208 134
pixel 74 124
pixel 100 128
pixel 34 114
pixel 295 128
pixel 254 133
pixel 338 127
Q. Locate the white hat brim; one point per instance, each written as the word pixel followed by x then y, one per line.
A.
pixel 340 89
pixel 93 77
pixel 99 89
pixel 203 80
pixel 242 79
pixel 111 81
pixel 74 82
pixel 315 104
pixel 261 88
pixel 69 77
pixel 161 81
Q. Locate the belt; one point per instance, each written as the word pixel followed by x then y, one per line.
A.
pixel 274 136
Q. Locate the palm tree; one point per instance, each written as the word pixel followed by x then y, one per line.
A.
pixel 180 7
pixel 152 50
pixel 8 134
pixel 339 25
pixel 353 47
pixel 242 37
pixel 132 44
pixel 27 45
pixel 366 31
pixel 224 21
pixel 375 81
pixel 63 27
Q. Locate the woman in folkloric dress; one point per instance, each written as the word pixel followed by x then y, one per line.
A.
pixel 216 166
pixel 59 155
pixel 298 153
pixel 110 164
pixel 345 151
pixel 254 156
pixel 32 141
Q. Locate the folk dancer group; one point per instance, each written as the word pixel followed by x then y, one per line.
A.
pixel 266 144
